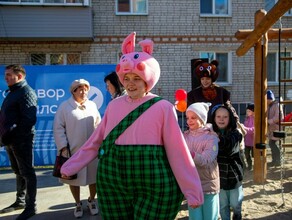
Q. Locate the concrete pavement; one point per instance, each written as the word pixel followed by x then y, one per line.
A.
pixel 54 200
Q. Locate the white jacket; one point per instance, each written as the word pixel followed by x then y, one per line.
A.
pixel 74 124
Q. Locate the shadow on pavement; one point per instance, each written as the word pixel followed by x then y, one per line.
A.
pixel 54 199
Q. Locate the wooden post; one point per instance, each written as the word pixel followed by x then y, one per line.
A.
pixel 260 88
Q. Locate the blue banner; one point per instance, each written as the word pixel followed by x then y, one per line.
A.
pixel 52 86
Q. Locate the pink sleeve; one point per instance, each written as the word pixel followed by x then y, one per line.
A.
pixel 181 161
pixel 210 152
pixel 249 130
pixel 249 126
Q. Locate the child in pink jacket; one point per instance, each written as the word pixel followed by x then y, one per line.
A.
pixel 144 170
pixel 249 137
pixel 203 145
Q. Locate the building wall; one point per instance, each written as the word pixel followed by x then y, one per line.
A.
pixel 31 22
pixel 179 34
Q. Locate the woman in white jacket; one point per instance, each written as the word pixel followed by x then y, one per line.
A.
pixel 75 120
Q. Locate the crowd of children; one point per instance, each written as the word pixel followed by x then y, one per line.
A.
pixel 215 149
pixel 218 147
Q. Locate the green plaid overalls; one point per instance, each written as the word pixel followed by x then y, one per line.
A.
pixel 135 181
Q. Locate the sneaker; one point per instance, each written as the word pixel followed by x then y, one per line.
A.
pixel 78 212
pixel 26 214
pixel 13 207
pixel 92 207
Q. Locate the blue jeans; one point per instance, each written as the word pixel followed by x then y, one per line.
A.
pixel 21 159
pixel 231 199
pixel 208 211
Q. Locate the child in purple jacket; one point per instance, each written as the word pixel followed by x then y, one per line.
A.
pixel 249 137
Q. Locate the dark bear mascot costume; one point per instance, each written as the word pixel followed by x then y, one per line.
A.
pixel 213 94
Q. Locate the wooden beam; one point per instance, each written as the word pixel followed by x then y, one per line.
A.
pixel 260 88
pixel 272 16
pixel 273 33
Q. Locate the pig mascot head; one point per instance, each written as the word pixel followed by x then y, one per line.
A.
pixel 141 63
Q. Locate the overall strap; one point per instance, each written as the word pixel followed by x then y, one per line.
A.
pixel 124 124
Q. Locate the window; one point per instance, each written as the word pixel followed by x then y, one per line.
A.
pixel 273 67
pixel 46 2
pixel 224 66
pixel 215 7
pixel 131 7
pixel 269 4
pixel 55 59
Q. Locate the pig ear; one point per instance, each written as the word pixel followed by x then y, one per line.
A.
pixel 147 46
pixel 128 45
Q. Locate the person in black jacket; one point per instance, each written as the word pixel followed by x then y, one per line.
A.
pixel 229 161
pixel 17 128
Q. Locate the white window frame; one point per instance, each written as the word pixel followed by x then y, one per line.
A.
pixel 276 67
pixel 271 4
pixel 228 81
pixel 45 2
pixel 131 12
pixel 213 14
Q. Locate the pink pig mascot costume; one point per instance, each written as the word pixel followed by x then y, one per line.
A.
pixel 145 166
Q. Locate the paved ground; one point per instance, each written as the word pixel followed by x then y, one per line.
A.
pixel 54 200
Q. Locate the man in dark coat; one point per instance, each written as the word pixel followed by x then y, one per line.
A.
pixel 17 121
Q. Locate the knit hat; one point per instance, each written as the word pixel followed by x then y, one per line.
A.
pixel 201 109
pixel 140 63
pixel 270 95
pixel 80 82
pixel 250 106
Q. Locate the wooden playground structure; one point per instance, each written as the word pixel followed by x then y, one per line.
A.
pixel 258 38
